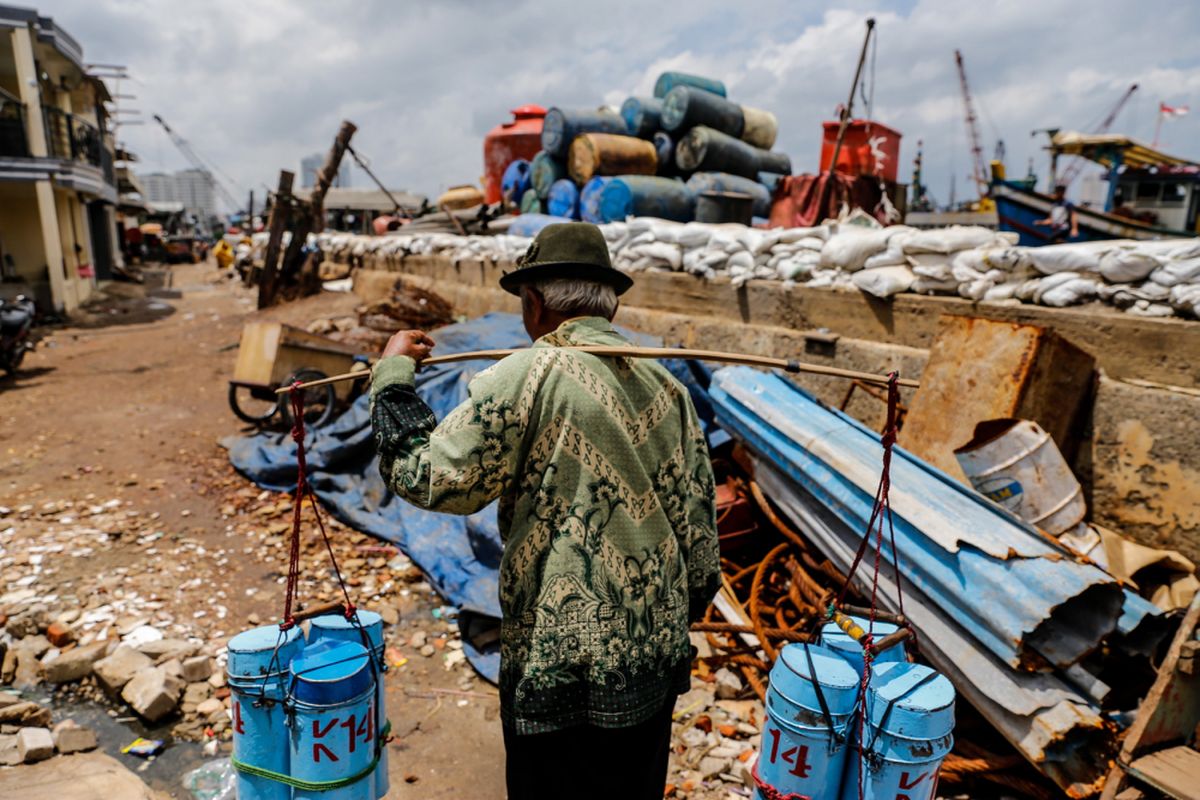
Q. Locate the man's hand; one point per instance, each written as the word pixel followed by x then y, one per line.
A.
pixel 414 344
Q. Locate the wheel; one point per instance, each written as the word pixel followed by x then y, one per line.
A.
pixel 255 406
pixel 319 401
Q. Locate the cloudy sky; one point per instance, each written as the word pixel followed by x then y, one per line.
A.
pixel 255 85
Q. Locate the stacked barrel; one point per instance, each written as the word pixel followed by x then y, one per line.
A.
pixel 687 153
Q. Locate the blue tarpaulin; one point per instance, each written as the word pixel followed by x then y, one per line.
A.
pixel 460 555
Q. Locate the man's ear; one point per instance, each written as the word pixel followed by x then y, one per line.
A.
pixel 537 304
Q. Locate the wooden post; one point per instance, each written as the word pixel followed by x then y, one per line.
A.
pixel 844 121
pixel 328 172
pixel 280 211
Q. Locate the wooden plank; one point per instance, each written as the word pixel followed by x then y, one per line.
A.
pixel 1174 771
pixel 280 212
pixel 1169 711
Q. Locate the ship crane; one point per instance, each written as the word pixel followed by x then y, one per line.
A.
pixel 1075 167
pixel 198 163
pixel 978 167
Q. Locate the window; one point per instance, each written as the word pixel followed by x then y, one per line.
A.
pixel 1147 192
pixel 1174 194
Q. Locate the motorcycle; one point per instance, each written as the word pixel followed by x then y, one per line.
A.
pixel 16 320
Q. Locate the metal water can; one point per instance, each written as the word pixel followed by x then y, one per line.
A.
pixel 334 731
pixel 848 648
pixel 1016 464
pixel 909 729
pixel 810 704
pixel 257 674
pixel 335 627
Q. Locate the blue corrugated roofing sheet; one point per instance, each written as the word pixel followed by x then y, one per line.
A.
pixel 1002 609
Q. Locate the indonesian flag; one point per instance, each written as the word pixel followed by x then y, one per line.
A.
pixel 1172 111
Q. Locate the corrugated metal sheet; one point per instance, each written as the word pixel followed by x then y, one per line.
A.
pixel 1016 591
pixel 991 596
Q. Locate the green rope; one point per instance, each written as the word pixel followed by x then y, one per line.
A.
pixel 315 786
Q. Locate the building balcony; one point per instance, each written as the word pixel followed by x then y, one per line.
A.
pixel 12 127
pixel 75 154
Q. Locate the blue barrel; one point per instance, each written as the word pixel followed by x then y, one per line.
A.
pixel 530 202
pixel 336 628
pixel 845 646
pixel 669 80
pixel 334 732
pixel 545 169
pixel 563 200
pixel 664 146
pixel 804 750
pixel 641 115
pixel 686 107
pixel 771 180
pixel 909 730
pixel 589 200
pixel 561 126
pixel 531 224
pixel 724 182
pixel 515 181
pixel 647 196
pixel 257 673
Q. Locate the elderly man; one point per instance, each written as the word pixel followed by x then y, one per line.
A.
pixel 606 512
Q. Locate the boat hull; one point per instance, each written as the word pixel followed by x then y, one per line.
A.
pixel 1017 209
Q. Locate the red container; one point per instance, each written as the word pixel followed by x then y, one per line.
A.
pixel 857 156
pixel 505 143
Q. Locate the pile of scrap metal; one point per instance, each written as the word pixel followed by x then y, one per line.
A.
pixel 409 306
pixel 1030 632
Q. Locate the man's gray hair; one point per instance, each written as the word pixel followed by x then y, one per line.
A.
pixel 579 297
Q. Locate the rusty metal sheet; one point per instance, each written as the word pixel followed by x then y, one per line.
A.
pixel 980 370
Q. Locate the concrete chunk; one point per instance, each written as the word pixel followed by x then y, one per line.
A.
pixel 153 693
pixel 69 737
pixel 25 713
pixel 34 744
pixel 73 664
pixel 164 649
pixel 9 755
pixel 116 670
pixel 197 668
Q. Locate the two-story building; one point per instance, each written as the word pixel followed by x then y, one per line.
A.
pixel 58 186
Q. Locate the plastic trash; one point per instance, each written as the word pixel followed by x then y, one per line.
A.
pixel 212 780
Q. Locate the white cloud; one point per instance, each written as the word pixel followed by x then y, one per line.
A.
pixel 256 86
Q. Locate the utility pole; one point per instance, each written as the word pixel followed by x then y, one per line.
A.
pixel 846 115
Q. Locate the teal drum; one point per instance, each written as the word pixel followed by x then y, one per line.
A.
pixel 365 628
pixel 810 706
pixel 531 224
pixel 561 126
pixel 544 170
pixel 642 115
pixel 530 202
pixel 647 196
pixel 669 80
pixel 685 107
pixel 334 737
pixel 256 669
pixel 563 200
pixel 845 646
pixel 908 732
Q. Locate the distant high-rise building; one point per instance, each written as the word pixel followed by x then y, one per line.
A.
pixel 310 166
pixel 192 187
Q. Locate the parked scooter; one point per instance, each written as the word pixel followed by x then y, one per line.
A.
pixel 16 320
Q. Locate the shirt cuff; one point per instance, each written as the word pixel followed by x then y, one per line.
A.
pixel 391 371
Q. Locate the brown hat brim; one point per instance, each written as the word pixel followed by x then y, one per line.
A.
pixel 512 280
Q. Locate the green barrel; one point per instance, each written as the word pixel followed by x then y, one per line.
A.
pixel 544 170
pixel 669 80
pixel 686 107
pixel 531 203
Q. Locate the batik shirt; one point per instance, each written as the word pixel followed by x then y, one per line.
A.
pixel 606 511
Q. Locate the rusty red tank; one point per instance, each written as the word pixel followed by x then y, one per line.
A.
pixel 520 138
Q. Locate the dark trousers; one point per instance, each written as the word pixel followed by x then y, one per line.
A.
pixel 588 762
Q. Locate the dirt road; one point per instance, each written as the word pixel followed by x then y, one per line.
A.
pixel 127 409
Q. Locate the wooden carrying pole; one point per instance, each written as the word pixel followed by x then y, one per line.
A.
pixel 646 352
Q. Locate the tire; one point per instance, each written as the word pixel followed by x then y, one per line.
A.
pixel 319 401
pixel 259 414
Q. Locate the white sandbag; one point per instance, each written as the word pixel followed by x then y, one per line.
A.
pixel 884 281
pixel 931 265
pixel 693 234
pixel 1065 289
pixel 1185 249
pixel 1002 292
pixel 1185 298
pixel 667 254
pixel 929 285
pixel 1053 258
pixel 948 240
pixel 798 267
pixel 1144 308
pixel 1122 265
pixel 892 256
pixel 850 248
pixel 790 235
pixel 1175 272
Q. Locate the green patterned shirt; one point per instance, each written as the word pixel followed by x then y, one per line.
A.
pixel 606 513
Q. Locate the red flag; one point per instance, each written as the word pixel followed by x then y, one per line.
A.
pixel 1172 111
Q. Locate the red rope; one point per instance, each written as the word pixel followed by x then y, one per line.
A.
pixel 304 491
pixel 769 792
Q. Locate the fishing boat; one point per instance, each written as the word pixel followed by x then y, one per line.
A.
pixel 1151 195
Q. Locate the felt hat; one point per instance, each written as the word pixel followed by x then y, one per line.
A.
pixel 566 250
